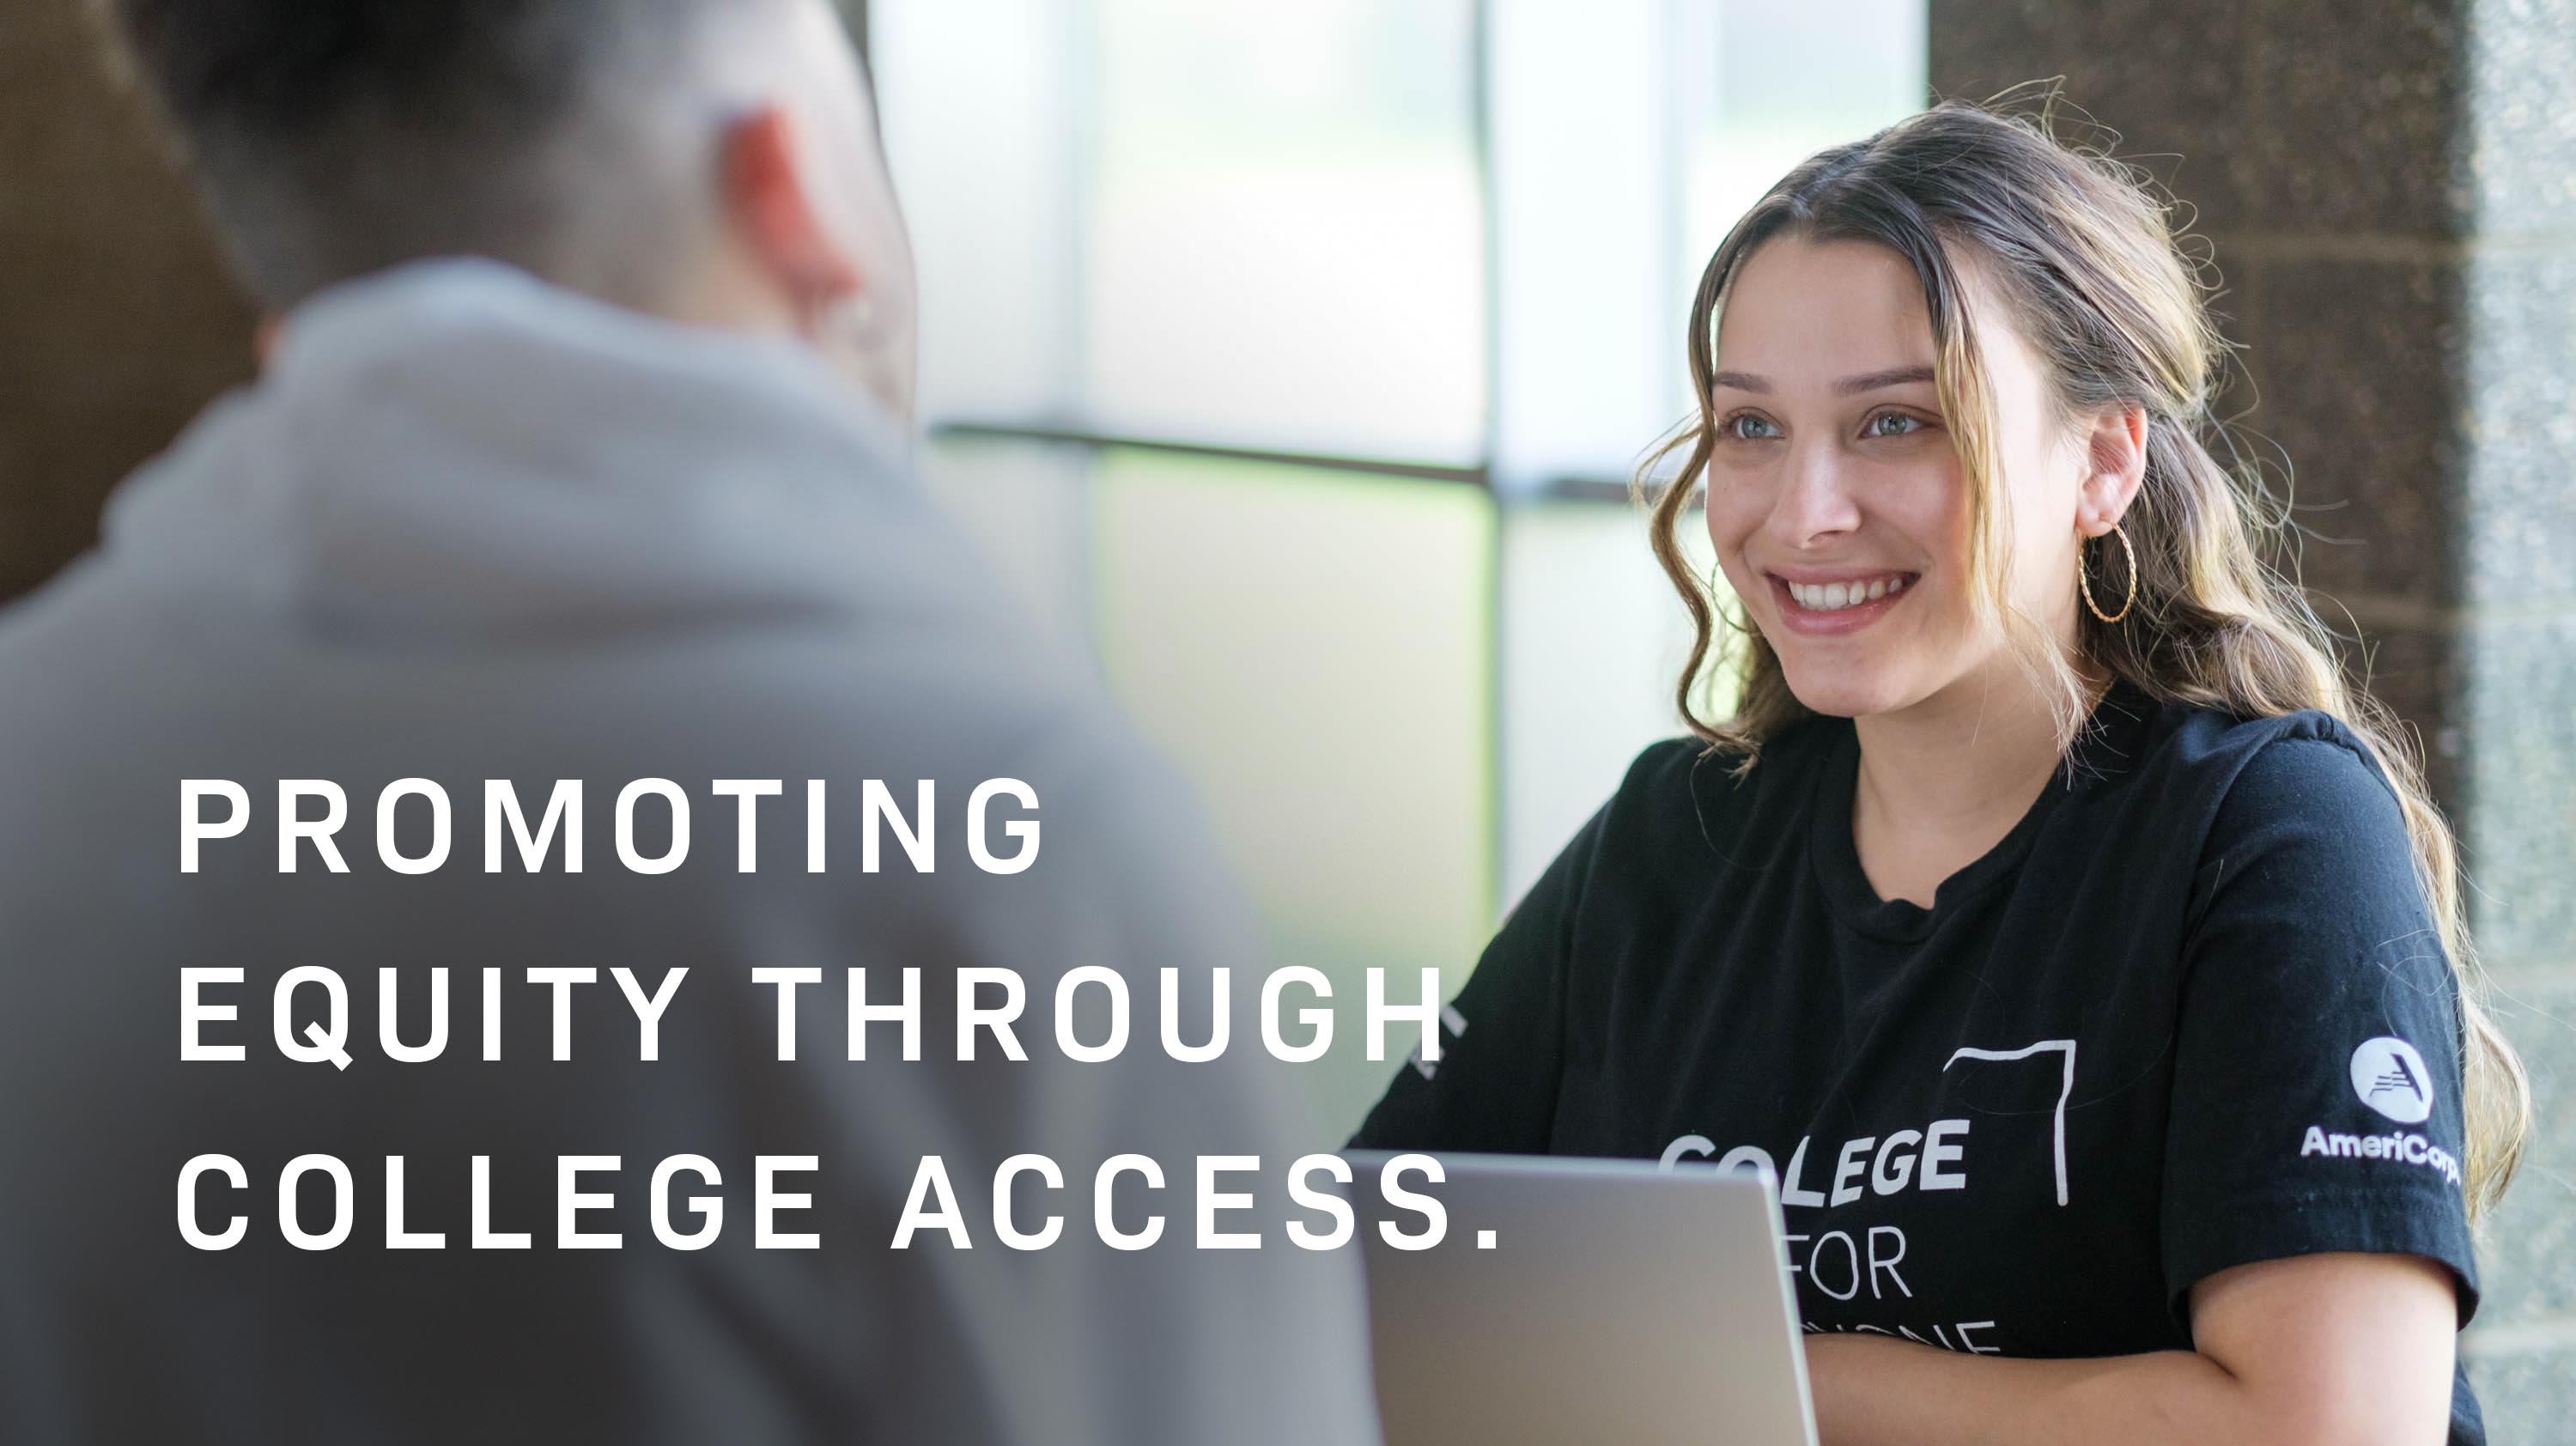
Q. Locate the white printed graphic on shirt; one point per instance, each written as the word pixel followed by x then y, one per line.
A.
pixel 2401 1145
pixel 2391 1078
pixel 1889 1170
pixel 2064 1091
pixel 1842 1263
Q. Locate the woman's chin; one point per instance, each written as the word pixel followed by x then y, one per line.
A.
pixel 1842 693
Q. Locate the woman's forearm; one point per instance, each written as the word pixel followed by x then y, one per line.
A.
pixel 2352 1350
pixel 1878 1391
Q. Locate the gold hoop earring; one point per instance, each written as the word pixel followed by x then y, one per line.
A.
pixel 2084 583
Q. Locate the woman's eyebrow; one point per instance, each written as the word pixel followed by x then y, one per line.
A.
pixel 1848 386
pixel 1892 377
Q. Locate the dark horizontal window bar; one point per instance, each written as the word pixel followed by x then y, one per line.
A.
pixel 1570 488
pixel 1331 462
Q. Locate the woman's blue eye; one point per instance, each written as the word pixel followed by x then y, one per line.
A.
pixel 1746 427
pixel 1877 425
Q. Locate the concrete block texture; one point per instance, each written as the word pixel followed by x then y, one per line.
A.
pixel 2522 1348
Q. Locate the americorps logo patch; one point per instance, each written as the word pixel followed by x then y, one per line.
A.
pixel 2391 1078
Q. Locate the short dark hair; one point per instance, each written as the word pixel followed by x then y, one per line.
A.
pixel 336 137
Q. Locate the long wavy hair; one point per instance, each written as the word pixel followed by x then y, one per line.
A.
pixel 2079 250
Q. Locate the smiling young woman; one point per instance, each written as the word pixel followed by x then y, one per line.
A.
pixel 2083 954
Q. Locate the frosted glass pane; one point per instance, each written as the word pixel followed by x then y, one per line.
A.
pixel 1770 85
pixel 1284 244
pixel 1587 371
pixel 974 98
pixel 1593 639
pixel 1315 651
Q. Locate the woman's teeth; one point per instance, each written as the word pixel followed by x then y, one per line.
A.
pixel 1826 597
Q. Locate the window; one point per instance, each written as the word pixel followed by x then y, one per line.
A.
pixel 1295 357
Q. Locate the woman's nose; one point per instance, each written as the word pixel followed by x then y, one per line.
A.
pixel 1815 501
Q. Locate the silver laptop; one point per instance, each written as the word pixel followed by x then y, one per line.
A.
pixel 1600 1301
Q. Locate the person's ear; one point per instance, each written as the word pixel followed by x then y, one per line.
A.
pixel 774 207
pixel 2115 462
pixel 267 337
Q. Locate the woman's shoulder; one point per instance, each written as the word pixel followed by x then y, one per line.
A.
pixel 2263 791
pixel 2308 759
pixel 2306 881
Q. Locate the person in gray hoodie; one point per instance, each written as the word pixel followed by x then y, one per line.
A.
pixel 573 505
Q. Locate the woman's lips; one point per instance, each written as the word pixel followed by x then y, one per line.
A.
pixel 1829 621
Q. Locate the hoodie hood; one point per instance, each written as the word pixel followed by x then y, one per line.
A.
pixel 456 451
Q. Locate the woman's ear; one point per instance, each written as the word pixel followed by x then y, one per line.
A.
pixel 2115 462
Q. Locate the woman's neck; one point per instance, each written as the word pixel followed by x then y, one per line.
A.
pixel 1941 782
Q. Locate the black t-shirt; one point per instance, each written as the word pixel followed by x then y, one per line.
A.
pixel 2191 1013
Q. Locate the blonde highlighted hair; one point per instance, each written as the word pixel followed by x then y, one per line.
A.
pixel 2082 258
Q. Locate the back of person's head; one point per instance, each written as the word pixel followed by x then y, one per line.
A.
pixel 713 160
pixel 334 139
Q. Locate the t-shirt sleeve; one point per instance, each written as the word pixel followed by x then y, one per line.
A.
pixel 2316 1102
pixel 1502 1041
